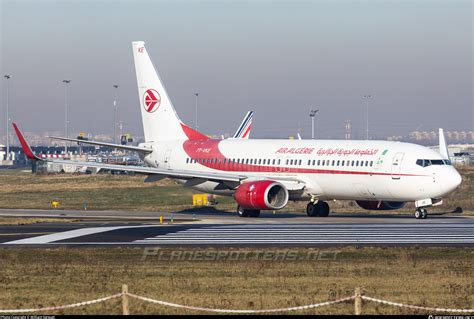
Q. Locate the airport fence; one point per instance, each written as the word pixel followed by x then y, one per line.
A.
pixel 357 299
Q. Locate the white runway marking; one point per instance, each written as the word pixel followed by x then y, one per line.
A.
pixel 266 234
pixel 319 234
pixel 47 239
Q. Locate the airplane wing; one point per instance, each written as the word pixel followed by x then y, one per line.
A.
pixel 244 129
pixel 443 147
pixel 192 177
pixel 183 174
pixel 124 147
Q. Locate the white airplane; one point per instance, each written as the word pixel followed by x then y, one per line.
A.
pixel 264 174
pixel 244 129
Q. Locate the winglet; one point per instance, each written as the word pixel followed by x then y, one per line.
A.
pixel 443 147
pixel 24 144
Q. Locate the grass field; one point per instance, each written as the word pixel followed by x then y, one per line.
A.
pixel 431 277
pixel 32 220
pixel 21 189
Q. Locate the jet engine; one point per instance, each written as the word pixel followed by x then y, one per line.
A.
pixel 263 194
pixel 379 205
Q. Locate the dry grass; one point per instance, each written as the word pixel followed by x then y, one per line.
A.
pixel 32 220
pixel 100 192
pixel 423 276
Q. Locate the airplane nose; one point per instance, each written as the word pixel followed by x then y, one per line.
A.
pixel 452 180
pixel 457 179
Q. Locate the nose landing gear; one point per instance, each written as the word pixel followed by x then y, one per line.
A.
pixel 421 213
pixel 319 208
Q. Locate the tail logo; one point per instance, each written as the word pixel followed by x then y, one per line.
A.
pixel 152 100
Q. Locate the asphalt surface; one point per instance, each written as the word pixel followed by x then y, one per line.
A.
pixel 226 229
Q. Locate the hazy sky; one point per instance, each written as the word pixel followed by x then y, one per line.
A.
pixel 279 59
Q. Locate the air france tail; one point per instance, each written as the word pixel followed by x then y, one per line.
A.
pixel 160 121
pixel 244 129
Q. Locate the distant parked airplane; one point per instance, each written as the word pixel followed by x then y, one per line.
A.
pixel 267 173
pixel 244 129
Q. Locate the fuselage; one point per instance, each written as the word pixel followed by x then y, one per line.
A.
pixel 329 169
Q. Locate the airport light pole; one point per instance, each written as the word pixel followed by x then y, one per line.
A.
pixel 8 77
pixel 312 115
pixel 367 97
pixel 66 82
pixel 115 112
pixel 196 111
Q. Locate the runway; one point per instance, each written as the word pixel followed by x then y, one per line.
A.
pixel 230 230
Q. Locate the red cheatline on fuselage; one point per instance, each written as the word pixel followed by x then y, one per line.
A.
pixel 208 154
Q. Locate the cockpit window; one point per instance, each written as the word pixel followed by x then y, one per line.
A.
pixel 427 162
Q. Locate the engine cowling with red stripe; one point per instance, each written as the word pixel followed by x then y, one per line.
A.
pixel 380 205
pixel 265 194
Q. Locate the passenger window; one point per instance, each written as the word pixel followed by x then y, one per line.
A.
pixel 342 163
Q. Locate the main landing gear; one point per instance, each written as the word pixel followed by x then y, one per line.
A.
pixel 421 213
pixel 319 208
pixel 247 212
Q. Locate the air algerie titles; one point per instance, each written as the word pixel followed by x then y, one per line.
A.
pixel 328 151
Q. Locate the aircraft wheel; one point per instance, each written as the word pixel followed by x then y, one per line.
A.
pixel 254 213
pixel 418 214
pixel 312 210
pixel 424 213
pixel 242 212
pixel 323 209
